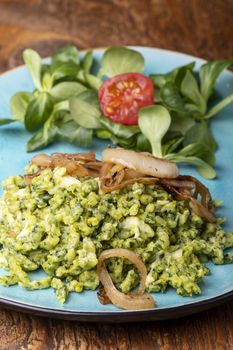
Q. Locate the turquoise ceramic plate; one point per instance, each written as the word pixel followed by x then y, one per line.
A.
pixel 216 287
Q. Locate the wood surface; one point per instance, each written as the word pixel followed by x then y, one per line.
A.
pixel 199 27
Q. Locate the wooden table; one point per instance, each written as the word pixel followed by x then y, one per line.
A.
pixel 198 27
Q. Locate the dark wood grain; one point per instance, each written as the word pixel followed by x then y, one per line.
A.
pixel 207 330
pixel 199 27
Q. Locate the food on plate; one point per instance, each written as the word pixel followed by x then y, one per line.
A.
pixel 144 163
pixel 122 96
pixel 84 221
pixel 137 298
pixel 164 114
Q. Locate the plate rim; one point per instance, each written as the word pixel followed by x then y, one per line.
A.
pixel 120 315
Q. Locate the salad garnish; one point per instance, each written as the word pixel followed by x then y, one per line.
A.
pixel 167 114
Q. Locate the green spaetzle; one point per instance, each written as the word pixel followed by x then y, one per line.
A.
pixel 62 224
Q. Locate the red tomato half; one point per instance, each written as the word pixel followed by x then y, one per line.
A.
pixel 122 96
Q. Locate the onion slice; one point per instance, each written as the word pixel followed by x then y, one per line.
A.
pixel 72 167
pixel 85 157
pixel 120 168
pixel 144 163
pixel 29 177
pixel 137 300
pixel 105 187
pixel 42 160
pixel 201 210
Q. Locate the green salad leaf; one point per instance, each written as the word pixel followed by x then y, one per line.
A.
pixel 219 106
pixel 172 141
pixel 68 130
pixel 19 103
pixel 68 54
pixel 199 150
pixel 64 106
pixel 181 122
pixel 143 145
pixel 85 112
pixel 76 135
pixel 119 130
pixel 103 134
pixel 47 80
pixel 61 70
pixel 87 62
pixel 118 60
pixel 209 72
pixel 93 81
pixel 38 111
pixel 204 169
pixel 43 137
pixel 65 90
pixel 60 127
pixel 90 96
pixel 175 76
pixel 200 133
pixel 5 121
pixel 33 62
pixel 190 89
pixel 39 141
pixel 154 122
pixel 171 98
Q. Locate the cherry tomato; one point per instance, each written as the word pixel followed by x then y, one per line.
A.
pixel 122 96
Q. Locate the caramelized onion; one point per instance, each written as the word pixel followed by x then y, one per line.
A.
pixel 106 167
pixel 105 187
pixel 143 163
pixel 93 165
pixel 42 160
pixel 201 210
pixel 131 174
pixel 200 189
pixel 77 164
pixel 183 187
pixel 102 296
pixel 72 166
pixel 121 168
pixel 138 299
pixel 179 183
pixel 28 177
pixel 86 157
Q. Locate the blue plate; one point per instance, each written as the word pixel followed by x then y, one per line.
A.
pixel 216 288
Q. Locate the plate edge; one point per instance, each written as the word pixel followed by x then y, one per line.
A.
pixel 121 316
